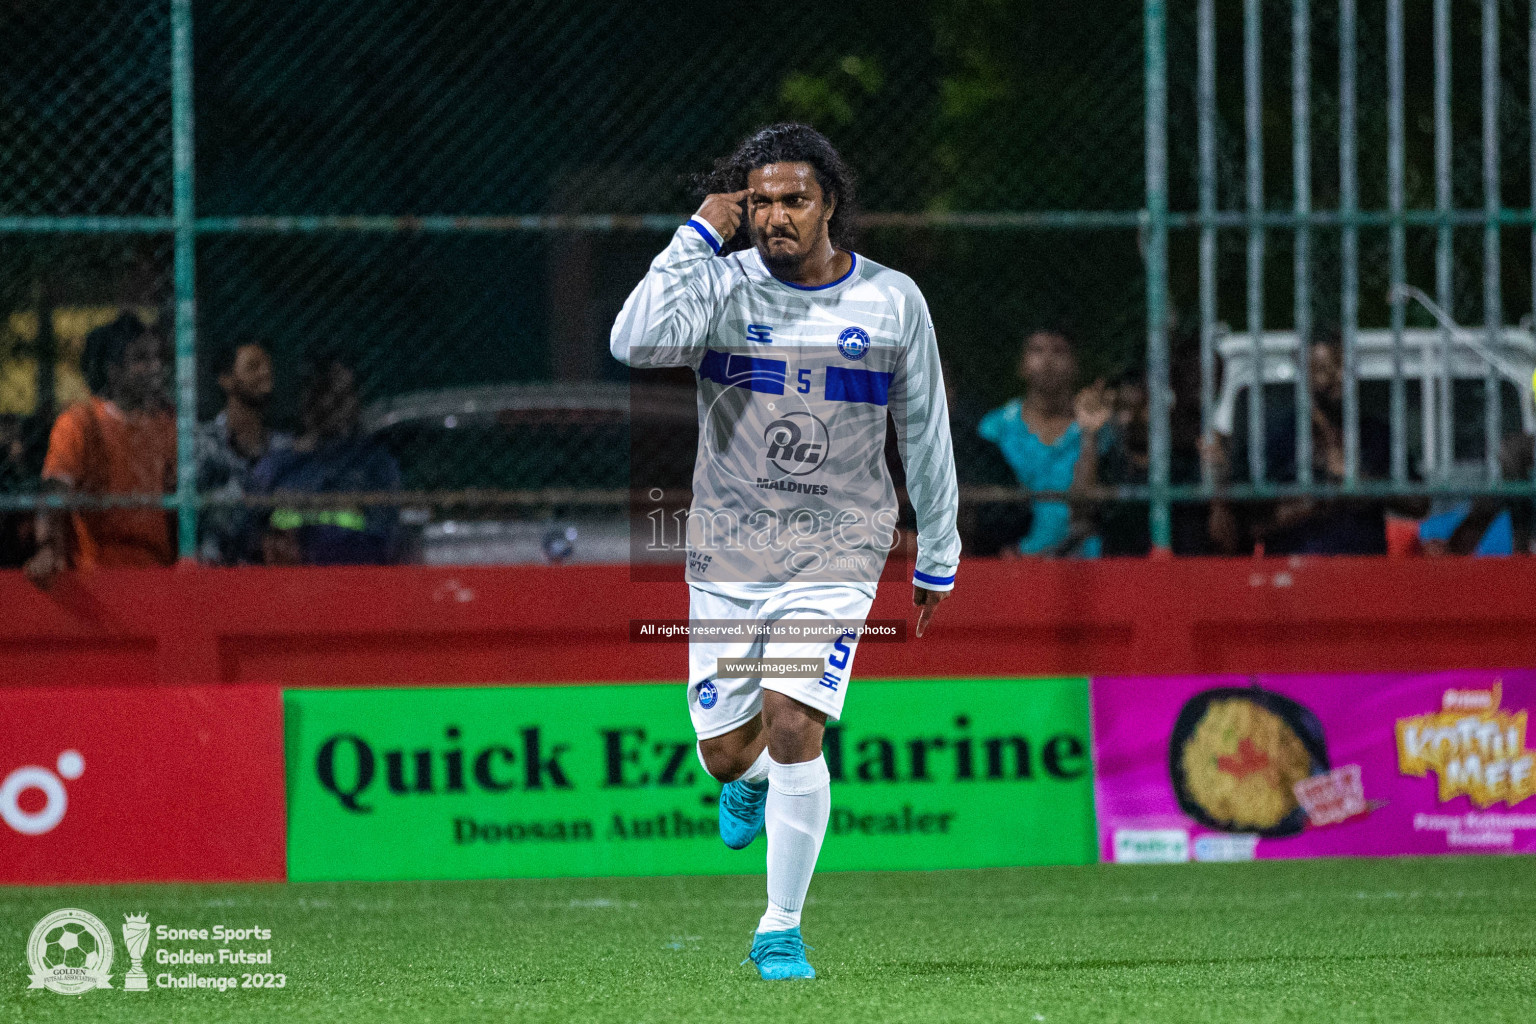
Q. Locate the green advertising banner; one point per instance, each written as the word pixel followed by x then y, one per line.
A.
pixel 543 781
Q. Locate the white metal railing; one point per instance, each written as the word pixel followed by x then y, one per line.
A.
pixel 1514 361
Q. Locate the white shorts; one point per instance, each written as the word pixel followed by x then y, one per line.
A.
pixel 720 705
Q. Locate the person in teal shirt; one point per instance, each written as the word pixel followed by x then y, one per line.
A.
pixel 1055 438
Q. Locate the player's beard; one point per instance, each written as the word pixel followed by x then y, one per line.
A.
pixel 783 265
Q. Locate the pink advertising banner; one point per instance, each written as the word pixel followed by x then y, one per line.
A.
pixel 1224 768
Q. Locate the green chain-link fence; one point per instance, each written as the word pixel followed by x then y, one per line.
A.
pixel 454 197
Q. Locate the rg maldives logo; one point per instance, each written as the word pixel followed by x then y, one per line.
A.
pixel 33 799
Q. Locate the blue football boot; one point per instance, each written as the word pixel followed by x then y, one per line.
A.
pixel 780 956
pixel 741 812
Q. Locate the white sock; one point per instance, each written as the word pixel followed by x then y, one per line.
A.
pixel 799 803
pixel 758 772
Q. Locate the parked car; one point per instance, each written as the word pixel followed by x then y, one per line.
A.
pixel 534 472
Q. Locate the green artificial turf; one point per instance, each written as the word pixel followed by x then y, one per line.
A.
pixel 1435 940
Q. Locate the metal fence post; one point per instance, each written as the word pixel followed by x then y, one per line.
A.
pixel 1253 124
pixel 1349 239
pixel 1493 311
pixel 183 213
pixel 1301 178
pixel 1398 240
pixel 1206 102
pixel 1444 234
pixel 1157 268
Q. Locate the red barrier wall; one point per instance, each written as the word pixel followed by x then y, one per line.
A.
pixel 417 625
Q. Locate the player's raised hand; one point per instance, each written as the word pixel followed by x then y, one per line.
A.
pixel 723 211
pixel 927 602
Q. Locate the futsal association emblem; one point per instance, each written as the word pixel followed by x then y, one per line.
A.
pixel 70 952
pixel 853 343
pixel 707 695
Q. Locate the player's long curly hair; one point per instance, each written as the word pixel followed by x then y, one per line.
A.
pixel 786 143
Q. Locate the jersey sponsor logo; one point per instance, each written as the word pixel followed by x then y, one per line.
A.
pixel 708 695
pixel 761 333
pixel 853 343
pixel 765 484
pixel 797 443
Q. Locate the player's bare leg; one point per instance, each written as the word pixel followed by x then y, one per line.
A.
pixel 731 756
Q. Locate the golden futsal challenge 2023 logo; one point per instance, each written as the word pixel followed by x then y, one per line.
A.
pixel 1473 746
pixel 71 952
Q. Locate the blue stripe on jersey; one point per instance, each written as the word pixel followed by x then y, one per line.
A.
pixel 938 581
pixel 849 385
pixel 754 373
pixel 693 222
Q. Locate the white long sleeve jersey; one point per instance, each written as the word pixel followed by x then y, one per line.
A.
pixel 790 483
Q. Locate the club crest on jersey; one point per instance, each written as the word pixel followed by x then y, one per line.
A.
pixel 707 695
pixel 762 333
pixel 853 343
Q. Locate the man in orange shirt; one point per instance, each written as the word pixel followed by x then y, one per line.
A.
pixel 121 441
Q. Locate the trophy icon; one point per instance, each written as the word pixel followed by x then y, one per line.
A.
pixel 136 937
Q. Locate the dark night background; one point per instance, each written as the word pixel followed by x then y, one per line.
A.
pixel 493 108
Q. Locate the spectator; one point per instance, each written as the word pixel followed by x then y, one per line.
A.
pixel 329 457
pixel 1308 525
pixel 1124 524
pixel 228 448
pixel 986 527
pixel 1132 421
pixel 16 528
pixel 1495 525
pixel 120 441
pixel 1055 439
